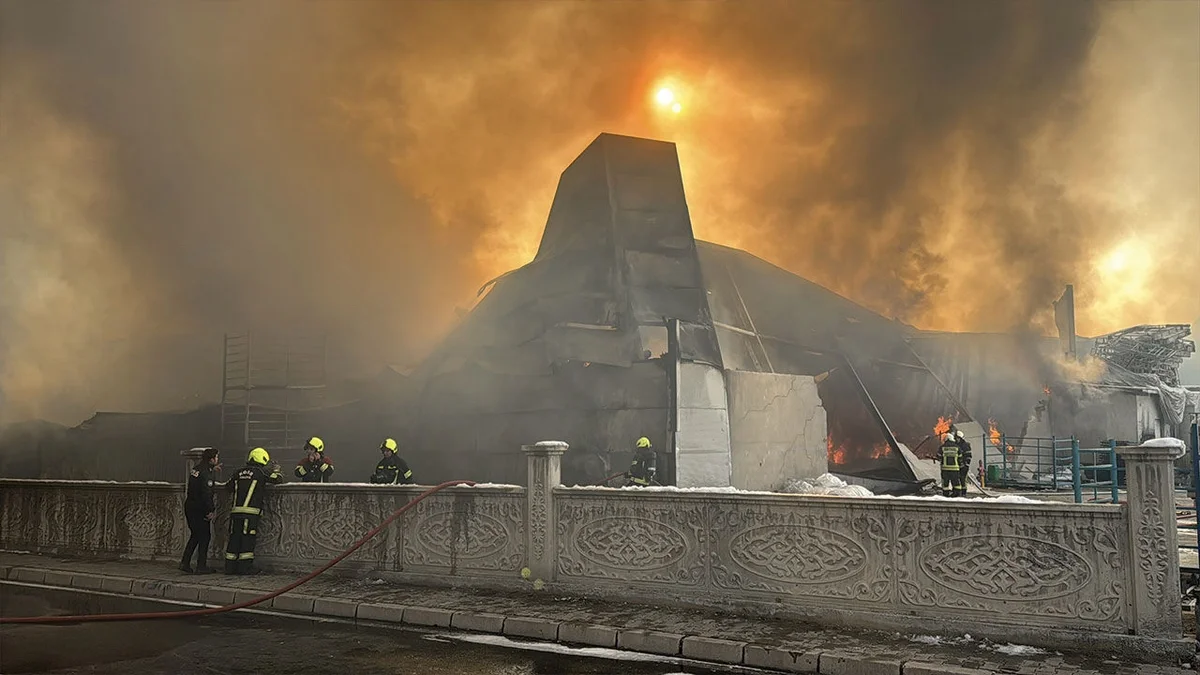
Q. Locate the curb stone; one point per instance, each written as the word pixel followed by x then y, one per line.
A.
pixel 834 663
pixel 920 668
pixel 652 642
pixel 587 634
pixel 289 602
pixel 539 629
pixel 428 616
pixel 346 609
pixel 375 611
pixel 480 622
pixel 713 649
pixel 781 658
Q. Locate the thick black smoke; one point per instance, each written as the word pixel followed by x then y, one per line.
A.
pixel 357 168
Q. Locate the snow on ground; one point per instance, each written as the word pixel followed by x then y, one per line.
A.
pixel 554 648
pixel 826 485
pixel 1007 649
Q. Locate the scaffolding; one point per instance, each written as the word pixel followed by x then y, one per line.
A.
pixel 269 387
pixel 1148 350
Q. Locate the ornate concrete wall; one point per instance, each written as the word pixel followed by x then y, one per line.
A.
pixel 1039 573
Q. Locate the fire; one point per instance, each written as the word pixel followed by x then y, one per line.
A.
pixel 836 455
pixel 1046 390
pixel 942 426
pixel 997 438
pixel 880 451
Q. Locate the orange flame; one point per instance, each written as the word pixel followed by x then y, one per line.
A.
pixel 836 455
pixel 942 426
pixel 880 451
pixel 1046 390
pixel 996 437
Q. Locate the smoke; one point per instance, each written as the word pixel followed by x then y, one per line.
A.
pixel 358 168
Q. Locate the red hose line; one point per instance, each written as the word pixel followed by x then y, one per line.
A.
pixel 207 611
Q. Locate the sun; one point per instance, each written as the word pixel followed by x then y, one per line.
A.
pixel 667 100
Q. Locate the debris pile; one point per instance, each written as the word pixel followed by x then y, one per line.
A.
pixel 825 484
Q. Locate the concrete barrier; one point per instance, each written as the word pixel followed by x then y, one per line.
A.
pixel 1040 574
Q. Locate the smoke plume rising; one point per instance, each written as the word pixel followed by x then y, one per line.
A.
pixel 170 171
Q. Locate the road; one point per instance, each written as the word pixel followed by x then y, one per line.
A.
pixel 267 645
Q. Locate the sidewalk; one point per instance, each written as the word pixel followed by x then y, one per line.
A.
pixel 770 643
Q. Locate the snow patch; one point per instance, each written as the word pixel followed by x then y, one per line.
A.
pixel 1018 650
pixel 1165 443
pixel 553 648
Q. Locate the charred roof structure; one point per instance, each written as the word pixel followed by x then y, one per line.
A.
pixel 575 345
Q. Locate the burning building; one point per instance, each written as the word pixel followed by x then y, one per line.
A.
pixel 741 373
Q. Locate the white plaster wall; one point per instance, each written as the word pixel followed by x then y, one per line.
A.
pixel 777 429
pixel 702 457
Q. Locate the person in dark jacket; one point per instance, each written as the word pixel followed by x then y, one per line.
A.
pixel 644 465
pixel 199 507
pixel 391 469
pixel 248 487
pixel 315 467
pixel 964 453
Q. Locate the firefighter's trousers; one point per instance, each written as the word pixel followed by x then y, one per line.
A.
pixel 952 483
pixel 239 552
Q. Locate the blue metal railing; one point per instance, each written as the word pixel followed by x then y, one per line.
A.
pixel 1095 469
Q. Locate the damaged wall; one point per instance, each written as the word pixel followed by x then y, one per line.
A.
pixel 777 429
pixel 703 457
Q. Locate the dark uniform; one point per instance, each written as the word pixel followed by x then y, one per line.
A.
pixel 948 457
pixel 198 505
pixel 644 464
pixel 320 471
pixel 964 453
pixel 248 487
pixel 392 470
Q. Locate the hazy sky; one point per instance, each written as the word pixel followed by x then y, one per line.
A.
pixel 173 170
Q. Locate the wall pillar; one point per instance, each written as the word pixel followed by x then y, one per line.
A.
pixel 1154 572
pixel 190 457
pixel 544 461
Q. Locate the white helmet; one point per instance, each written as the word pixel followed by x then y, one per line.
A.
pixel 958 434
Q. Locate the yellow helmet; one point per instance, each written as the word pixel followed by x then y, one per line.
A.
pixel 643 442
pixel 315 444
pixel 388 444
pixel 259 456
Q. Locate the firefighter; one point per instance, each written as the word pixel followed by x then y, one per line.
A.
pixel 964 452
pixel 948 457
pixel 391 469
pixel 316 467
pixel 199 507
pixel 248 487
pixel 644 465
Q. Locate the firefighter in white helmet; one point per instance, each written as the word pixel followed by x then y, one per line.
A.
pixel 949 457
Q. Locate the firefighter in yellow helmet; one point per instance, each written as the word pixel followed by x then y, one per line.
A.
pixel 248 486
pixel 949 456
pixel 644 465
pixel 391 469
pixel 316 467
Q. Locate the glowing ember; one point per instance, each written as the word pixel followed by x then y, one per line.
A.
pixel 942 426
pixel 1046 390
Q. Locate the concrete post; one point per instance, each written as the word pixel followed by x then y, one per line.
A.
pixel 1154 572
pixel 541 533
pixel 190 457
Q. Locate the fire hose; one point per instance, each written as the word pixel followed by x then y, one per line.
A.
pixel 208 611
